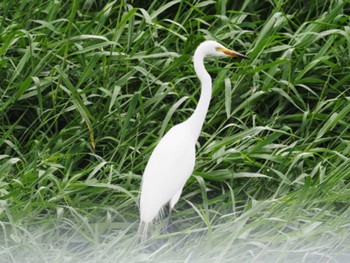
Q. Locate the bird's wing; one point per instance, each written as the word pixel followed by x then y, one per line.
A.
pixel 169 167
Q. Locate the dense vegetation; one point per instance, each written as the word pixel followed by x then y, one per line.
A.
pixel 88 87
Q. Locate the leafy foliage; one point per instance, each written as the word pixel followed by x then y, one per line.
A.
pixel 88 87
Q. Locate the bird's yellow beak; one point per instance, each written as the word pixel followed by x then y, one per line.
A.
pixel 231 53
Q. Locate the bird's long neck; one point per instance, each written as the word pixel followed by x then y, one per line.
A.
pixel 198 116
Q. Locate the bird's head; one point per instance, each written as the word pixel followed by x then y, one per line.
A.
pixel 213 48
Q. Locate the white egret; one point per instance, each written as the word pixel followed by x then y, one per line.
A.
pixel 173 159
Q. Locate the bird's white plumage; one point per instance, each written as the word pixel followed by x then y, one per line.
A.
pixel 174 155
pixel 173 159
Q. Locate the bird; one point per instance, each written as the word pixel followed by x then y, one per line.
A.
pixel 173 159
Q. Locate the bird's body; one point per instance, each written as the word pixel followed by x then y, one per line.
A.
pixel 176 147
pixel 173 159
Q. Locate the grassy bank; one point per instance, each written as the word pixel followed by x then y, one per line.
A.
pixel 88 88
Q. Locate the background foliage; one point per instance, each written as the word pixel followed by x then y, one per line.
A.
pixel 88 87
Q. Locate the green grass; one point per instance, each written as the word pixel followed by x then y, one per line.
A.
pixel 88 87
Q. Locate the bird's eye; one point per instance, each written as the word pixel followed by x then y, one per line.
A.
pixel 219 49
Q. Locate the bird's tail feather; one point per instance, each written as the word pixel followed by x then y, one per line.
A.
pixel 143 231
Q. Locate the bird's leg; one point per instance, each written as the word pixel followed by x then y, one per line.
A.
pixel 168 221
pixel 172 203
